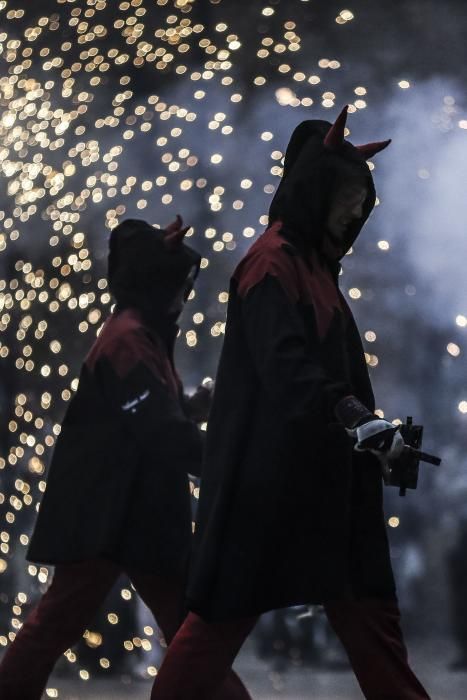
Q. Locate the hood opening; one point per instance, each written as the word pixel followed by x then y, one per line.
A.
pixel 312 175
pixel 144 273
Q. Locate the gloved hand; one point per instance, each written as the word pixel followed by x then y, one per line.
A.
pixel 380 437
pixel 199 403
pixel 374 434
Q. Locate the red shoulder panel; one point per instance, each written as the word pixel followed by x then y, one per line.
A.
pixel 321 291
pixel 267 256
pixel 311 283
pixel 125 342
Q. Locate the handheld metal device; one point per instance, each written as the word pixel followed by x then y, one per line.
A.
pixel 403 471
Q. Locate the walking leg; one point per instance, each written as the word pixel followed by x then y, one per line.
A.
pixel 165 598
pixel 53 626
pixel 199 661
pixel 371 634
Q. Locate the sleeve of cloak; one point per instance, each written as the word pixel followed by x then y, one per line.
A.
pixel 287 363
pixel 131 380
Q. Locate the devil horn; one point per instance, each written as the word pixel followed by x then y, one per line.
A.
pixel 335 136
pixel 370 149
pixel 174 238
pixel 174 225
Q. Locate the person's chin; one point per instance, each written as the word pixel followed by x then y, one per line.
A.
pixel 336 238
pixel 175 311
pixel 332 249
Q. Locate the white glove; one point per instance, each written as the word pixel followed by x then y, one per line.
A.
pixel 381 438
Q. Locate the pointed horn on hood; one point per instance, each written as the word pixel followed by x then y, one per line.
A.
pixel 335 136
pixel 174 225
pixel 370 149
pixel 172 240
pixel 174 233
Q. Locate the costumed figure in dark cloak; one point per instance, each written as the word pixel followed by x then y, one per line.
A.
pixel 118 498
pixel 289 512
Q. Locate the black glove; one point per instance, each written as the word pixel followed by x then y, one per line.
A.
pixel 198 404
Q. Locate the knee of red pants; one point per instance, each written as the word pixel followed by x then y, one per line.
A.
pixel 371 633
pixel 54 624
pixel 199 659
pixel 377 614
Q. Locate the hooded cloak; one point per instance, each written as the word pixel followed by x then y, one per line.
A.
pixel 118 487
pixel 289 514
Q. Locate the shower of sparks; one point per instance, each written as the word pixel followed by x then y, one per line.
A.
pixel 108 109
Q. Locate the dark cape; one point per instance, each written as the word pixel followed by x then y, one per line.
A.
pixel 118 485
pixel 289 514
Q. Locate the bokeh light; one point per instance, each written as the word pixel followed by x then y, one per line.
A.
pixel 138 108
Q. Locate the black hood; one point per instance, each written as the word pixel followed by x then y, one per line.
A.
pixel 312 174
pixel 144 273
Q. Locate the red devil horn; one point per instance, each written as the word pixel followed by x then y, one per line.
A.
pixel 175 225
pixel 370 149
pixel 174 233
pixel 335 136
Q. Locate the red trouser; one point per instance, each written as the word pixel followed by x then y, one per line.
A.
pixel 202 653
pixel 68 607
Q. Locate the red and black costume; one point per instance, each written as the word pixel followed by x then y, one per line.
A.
pixel 289 513
pixel 118 497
